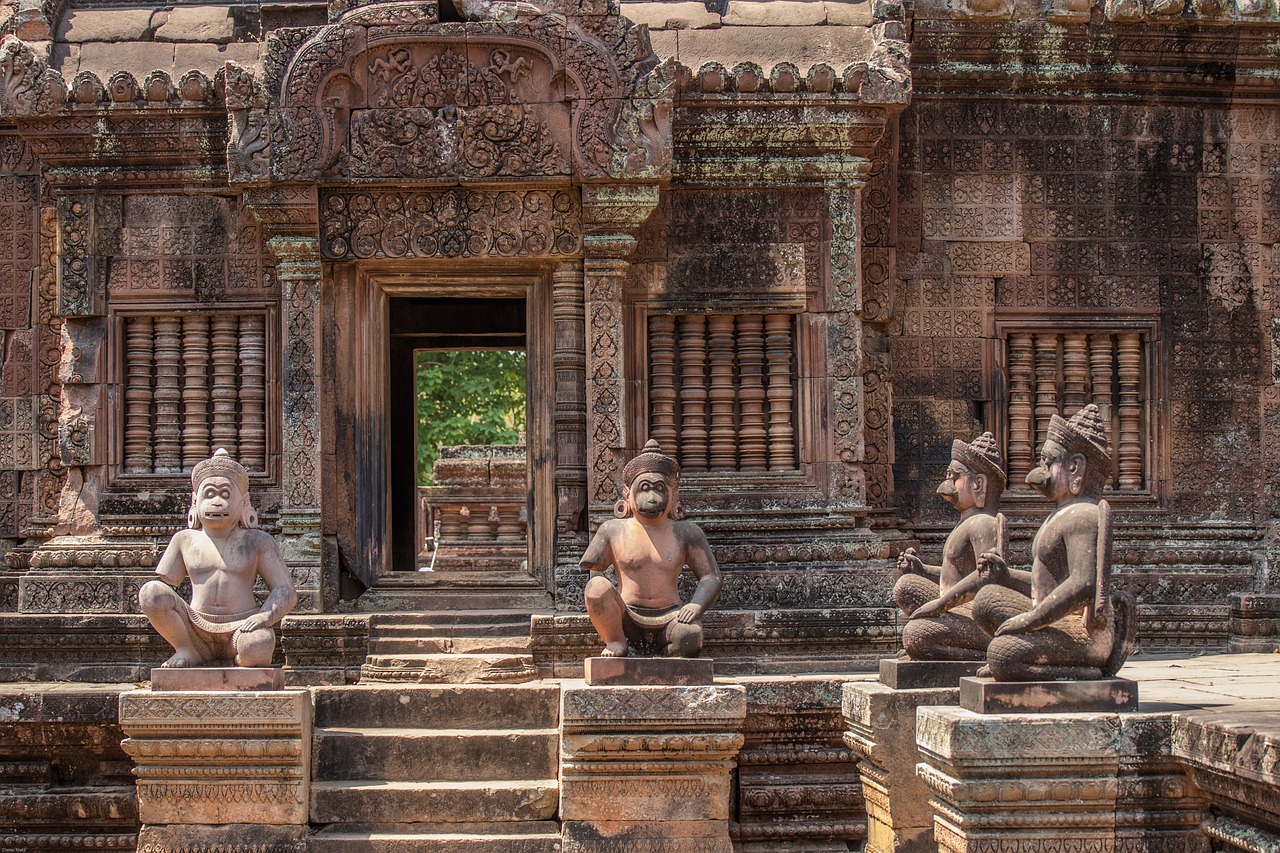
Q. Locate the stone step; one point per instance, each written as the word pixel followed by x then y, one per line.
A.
pixel 477 668
pixel 460 755
pixel 405 643
pixel 455 623
pixel 457 802
pixel 527 837
pixel 438 706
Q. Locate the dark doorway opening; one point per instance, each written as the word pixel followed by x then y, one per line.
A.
pixel 439 324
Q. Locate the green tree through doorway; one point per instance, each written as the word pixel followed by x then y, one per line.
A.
pixel 467 397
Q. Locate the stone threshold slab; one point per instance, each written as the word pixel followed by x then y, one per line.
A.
pixel 602 671
pixel 1102 696
pixel 925 674
pixel 217 678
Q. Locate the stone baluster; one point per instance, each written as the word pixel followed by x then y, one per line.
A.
pixel 168 395
pixel 662 381
pixel 137 396
pixel 253 392
pixel 509 528
pixel 1075 372
pixel 752 435
pixel 195 390
pixel 1129 369
pixel 693 392
pixel 781 392
pixel 723 393
pixel 453 523
pixel 570 418
pixel 1021 431
pixel 1100 372
pixel 1046 367
pixel 224 350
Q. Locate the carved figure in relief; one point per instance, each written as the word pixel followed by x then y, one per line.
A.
pixel 1061 620
pixel 649 544
pixel 223 554
pixel 938 599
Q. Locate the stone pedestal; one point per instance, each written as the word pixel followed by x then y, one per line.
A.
pixel 881 730
pixel 1100 696
pixel 647 769
pixel 917 674
pixel 228 770
pixel 1055 782
pixel 207 678
pixel 602 671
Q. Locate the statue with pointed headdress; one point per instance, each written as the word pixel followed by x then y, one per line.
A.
pixel 1061 619
pixel 938 599
pixel 223 553
pixel 649 544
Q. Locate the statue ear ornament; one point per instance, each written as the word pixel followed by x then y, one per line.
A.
pixel 620 508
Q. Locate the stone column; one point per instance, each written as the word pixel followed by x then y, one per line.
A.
pixel 220 770
pixel 570 419
pixel 647 769
pixel 881 730
pixel 1040 782
pixel 611 214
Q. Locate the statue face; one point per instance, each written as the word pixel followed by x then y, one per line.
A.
pixel 1059 474
pixel 219 502
pixel 650 495
pixel 962 488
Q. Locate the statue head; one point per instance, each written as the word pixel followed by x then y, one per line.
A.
pixel 652 482
pixel 220 490
pixel 1076 458
pixel 975 477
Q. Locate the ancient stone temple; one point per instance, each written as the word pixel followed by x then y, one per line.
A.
pixel 804 245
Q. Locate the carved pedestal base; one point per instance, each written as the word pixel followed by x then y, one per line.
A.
pixel 214 758
pixel 922 674
pixel 217 678
pixel 1102 696
pixel 237 837
pixel 881 730
pixel 647 769
pixel 1040 782
pixel 602 671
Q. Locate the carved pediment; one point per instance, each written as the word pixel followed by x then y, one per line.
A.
pixel 534 95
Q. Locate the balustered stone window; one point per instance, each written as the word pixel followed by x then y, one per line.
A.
pixel 194 381
pixel 722 390
pixel 1052 368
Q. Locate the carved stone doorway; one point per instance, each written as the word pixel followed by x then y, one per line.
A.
pixel 381 313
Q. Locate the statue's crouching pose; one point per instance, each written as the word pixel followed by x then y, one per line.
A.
pixel 938 599
pixel 223 554
pixel 1061 620
pixel 649 545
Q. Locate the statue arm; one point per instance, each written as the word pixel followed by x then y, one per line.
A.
pixel 703 564
pixel 275 574
pixel 993 569
pixel 172 568
pixel 1072 594
pixel 599 554
pixel 909 563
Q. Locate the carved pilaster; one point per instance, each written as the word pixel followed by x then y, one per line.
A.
pixel 844 346
pixel 611 215
pixel 80 293
pixel 570 420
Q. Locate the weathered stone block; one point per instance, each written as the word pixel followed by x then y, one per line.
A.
pixel 217 678
pixel 1102 696
pixel 229 837
pixel 881 723
pixel 602 671
pixel 640 764
pixel 219 757
pixel 922 674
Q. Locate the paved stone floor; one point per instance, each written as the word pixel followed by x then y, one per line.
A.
pixel 1248 682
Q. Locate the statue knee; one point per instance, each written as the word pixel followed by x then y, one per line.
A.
pixel 686 640
pixel 255 648
pixel 154 596
pixel 598 589
pixel 916 639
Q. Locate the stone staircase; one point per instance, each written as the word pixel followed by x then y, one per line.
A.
pixel 453 646
pixel 409 768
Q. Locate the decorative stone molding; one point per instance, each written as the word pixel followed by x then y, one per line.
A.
pixel 648 768
pixel 882 734
pixel 219 758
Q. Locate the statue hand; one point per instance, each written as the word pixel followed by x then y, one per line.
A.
pixel 931 608
pixel 1016 625
pixel 256 622
pixel 992 567
pixel 689 613
pixel 909 563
